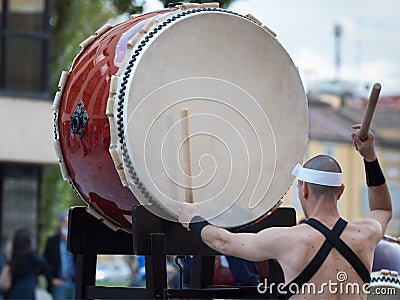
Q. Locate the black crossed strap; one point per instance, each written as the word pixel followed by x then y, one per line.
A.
pixel 332 240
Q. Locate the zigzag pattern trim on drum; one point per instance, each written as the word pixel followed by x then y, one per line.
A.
pixel 386 279
pixel 120 104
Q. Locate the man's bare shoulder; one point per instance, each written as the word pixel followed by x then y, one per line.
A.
pixel 282 237
pixel 367 224
pixel 369 228
pixel 285 232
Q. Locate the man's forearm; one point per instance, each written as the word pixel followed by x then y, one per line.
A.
pixel 379 198
pixel 373 173
pixel 213 237
pixel 378 192
pixel 216 238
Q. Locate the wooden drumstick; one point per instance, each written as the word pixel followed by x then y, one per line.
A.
pixel 187 164
pixel 369 112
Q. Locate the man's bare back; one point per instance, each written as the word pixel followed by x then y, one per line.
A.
pixel 336 276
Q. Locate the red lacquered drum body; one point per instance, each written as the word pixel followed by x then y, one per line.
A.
pixel 87 159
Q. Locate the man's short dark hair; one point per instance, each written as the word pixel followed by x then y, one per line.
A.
pixel 323 163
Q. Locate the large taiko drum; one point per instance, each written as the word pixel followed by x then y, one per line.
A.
pixel 385 276
pixel 118 122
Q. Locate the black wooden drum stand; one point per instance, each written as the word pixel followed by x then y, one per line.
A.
pixel 155 238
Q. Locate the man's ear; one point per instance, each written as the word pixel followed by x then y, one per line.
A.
pixel 341 191
pixel 304 188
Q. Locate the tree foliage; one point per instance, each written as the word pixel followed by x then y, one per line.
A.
pixel 56 196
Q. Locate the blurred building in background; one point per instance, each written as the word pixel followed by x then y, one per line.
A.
pixel 25 106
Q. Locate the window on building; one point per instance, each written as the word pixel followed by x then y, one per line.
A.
pixel 24 48
pixel 20 191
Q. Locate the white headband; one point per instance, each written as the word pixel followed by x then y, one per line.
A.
pixel 317 177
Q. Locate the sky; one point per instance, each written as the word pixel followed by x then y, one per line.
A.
pixel 370 39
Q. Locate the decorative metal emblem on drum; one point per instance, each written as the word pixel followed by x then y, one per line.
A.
pixel 124 92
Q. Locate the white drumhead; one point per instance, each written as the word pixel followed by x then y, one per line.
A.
pixel 248 117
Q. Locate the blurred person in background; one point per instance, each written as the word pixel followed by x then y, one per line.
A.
pixel 60 271
pixel 25 264
pixel 4 258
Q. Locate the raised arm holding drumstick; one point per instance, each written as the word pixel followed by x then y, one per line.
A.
pixel 302 250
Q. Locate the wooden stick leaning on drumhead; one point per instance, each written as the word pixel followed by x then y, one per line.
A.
pixel 187 164
pixel 369 112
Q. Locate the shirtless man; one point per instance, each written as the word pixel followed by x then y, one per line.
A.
pixel 330 274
